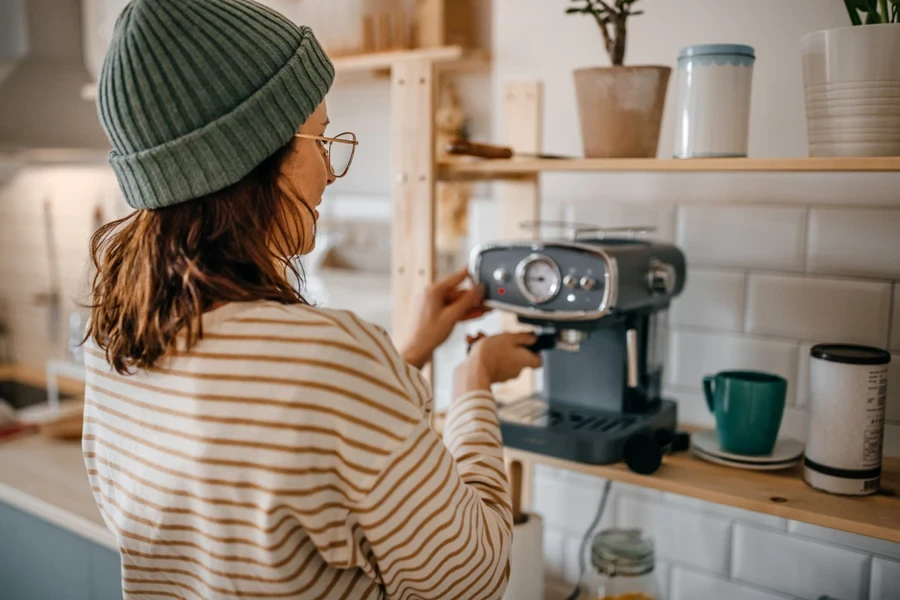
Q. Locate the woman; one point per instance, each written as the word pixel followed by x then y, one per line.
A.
pixel 239 442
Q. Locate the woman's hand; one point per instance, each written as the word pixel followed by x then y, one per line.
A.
pixel 442 305
pixel 496 359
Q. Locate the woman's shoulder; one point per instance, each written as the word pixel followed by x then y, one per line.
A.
pixel 329 330
pixel 335 336
pixel 337 322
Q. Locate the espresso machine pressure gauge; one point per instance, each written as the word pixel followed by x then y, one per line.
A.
pixel 538 278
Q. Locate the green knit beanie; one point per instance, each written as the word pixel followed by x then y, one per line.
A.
pixel 194 94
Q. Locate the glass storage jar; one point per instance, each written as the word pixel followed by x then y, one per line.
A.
pixel 623 561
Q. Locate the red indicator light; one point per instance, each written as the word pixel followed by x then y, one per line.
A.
pixel 501 291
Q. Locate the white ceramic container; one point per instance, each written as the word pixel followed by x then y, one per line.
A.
pixel 714 85
pixel 851 78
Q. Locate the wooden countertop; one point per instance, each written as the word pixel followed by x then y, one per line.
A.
pixel 47 479
pixel 37 376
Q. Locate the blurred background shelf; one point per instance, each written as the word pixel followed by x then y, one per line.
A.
pixel 450 58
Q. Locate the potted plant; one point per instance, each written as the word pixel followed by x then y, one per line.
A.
pixel 851 78
pixel 620 107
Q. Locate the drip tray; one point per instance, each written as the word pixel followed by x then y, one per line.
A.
pixel 575 433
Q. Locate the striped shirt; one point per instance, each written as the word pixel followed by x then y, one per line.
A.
pixel 289 455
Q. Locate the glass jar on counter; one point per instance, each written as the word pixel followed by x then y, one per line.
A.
pixel 623 562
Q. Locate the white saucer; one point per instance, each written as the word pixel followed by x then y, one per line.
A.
pixel 745 465
pixel 787 453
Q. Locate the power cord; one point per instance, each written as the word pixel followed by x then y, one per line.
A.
pixel 582 552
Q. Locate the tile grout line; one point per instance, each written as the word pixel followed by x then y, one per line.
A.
pixel 891 342
pixel 806 220
pixel 745 307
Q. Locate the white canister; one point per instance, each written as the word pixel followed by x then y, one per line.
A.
pixel 714 84
pixel 847 396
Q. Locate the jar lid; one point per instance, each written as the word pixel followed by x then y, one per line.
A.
pixel 851 354
pixel 622 552
pixel 711 49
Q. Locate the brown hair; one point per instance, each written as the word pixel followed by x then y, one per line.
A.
pixel 158 271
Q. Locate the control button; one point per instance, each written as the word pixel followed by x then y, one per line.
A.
pixel 501 275
pixel 661 278
pixel 588 283
pixel 570 281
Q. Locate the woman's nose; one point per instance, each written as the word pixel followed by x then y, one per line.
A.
pixel 331 177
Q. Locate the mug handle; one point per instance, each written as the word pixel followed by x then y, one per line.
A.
pixel 709 392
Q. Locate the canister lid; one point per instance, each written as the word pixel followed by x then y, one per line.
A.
pixel 711 49
pixel 851 354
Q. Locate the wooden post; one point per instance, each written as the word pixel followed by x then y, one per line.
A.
pixel 412 109
pixel 520 201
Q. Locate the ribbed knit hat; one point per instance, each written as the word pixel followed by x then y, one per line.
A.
pixel 194 94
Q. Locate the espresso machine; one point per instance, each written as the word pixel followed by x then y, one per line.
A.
pixel 598 303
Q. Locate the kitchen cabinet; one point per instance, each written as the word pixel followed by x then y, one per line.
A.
pixel 40 561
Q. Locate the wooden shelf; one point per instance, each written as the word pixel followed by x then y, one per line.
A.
pixel 466 168
pixel 778 493
pixel 448 57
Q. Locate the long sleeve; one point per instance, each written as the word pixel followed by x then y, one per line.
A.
pixel 438 520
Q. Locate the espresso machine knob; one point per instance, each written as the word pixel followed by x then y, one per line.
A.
pixel 501 275
pixel 588 283
pixel 661 278
pixel 570 281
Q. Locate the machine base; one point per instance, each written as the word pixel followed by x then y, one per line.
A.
pixel 572 433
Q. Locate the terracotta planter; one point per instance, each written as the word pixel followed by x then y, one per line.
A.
pixel 621 109
pixel 851 79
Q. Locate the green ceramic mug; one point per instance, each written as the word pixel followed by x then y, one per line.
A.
pixel 748 406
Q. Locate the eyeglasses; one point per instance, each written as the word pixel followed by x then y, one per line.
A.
pixel 339 156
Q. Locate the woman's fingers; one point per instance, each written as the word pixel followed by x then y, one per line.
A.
pixel 525 338
pixel 469 301
pixel 451 281
pixel 529 359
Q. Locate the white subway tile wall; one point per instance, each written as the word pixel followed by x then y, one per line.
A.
pixel 766 237
pixel 713 300
pixel 819 308
pixel 885 580
pixel 854 242
pixel 691 585
pixel 692 355
pixel 681 536
pixel 793 423
pixel 848 540
pixel 796 566
pixel 892 439
pixel 892 412
pixel 692 408
pixel 802 395
pixel 895 319
pixel 725 512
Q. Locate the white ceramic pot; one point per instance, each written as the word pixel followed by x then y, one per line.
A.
pixel 851 78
